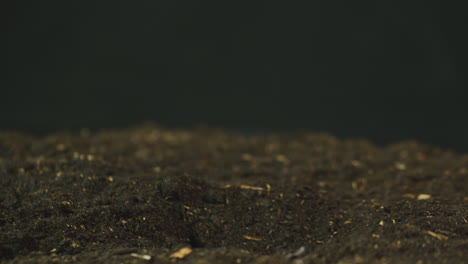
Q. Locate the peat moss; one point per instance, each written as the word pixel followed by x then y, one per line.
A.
pixel 125 196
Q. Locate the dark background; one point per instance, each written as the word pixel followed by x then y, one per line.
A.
pixel 382 70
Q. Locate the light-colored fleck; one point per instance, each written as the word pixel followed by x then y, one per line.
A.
pixel 248 187
pixel 400 166
pixel 282 159
pixel 247 156
pixel 140 256
pixel 253 238
pixel 181 253
pixel 424 196
pixel 436 235
pixel 356 163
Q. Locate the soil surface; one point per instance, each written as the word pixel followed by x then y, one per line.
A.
pixel 152 195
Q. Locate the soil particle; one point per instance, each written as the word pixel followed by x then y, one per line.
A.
pixel 153 195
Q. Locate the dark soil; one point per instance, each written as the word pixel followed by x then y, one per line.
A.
pixel 139 195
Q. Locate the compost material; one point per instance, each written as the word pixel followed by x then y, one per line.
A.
pixel 153 195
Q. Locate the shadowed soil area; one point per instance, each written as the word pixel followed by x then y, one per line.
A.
pixel 153 195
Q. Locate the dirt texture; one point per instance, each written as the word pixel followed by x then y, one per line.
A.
pixel 153 195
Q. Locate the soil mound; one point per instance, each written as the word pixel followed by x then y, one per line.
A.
pixel 148 194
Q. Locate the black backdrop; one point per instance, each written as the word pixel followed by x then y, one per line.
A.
pixel 382 70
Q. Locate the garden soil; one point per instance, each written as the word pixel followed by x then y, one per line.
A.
pixel 153 195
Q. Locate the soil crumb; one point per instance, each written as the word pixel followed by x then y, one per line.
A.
pixel 154 195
